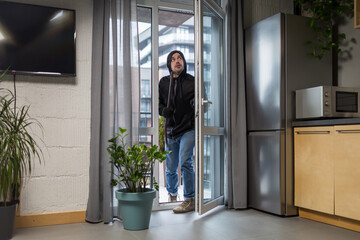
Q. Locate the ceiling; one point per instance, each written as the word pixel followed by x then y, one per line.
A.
pixel 167 18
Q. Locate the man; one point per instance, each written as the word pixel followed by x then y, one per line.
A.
pixel 180 117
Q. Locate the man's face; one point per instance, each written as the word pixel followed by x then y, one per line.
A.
pixel 177 63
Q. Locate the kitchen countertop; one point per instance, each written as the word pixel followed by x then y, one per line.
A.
pixel 325 122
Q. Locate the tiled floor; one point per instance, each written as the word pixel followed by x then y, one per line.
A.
pixel 219 224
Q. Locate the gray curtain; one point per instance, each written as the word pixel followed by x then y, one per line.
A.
pixel 115 91
pixel 236 177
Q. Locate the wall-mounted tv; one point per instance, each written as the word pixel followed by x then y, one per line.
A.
pixel 37 39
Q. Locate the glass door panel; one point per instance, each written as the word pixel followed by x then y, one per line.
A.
pixel 212 69
pixel 145 41
pixel 210 105
pixel 213 167
pixel 177 34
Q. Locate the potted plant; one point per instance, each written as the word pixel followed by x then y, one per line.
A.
pixel 18 149
pixel 131 170
pixel 324 17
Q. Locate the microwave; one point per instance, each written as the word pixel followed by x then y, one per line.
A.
pixel 327 102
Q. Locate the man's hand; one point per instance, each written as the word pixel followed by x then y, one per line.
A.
pixel 167 112
pixel 192 103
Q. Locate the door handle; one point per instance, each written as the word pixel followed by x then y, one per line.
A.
pixel 348 131
pixel 312 132
pixel 205 101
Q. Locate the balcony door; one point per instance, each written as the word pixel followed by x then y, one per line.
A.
pixel 210 105
pixel 162 28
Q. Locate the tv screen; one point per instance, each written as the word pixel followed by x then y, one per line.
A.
pixel 36 39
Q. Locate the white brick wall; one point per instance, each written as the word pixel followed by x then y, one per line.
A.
pixel 62 105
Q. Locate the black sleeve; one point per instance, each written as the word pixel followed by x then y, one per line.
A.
pixel 162 95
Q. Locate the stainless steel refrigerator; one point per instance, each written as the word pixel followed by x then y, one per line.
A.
pixel 277 63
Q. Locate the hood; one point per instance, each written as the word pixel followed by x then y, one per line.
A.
pixel 169 61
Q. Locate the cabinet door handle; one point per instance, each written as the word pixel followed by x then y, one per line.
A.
pixel 348 131
pixel 313 132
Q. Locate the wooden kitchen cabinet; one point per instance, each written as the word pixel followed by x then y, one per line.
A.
pixel 314 168
pixel 347 171
pixel 327 174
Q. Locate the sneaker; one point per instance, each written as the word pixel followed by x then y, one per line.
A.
pixel 172 198
pixel 186 206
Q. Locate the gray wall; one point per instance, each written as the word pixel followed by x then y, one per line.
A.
pixel 349 59
pixel 256 10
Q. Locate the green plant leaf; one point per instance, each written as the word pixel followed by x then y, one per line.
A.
pixel 311 22
pixel 4 73
pixel 18 147
pixel 114 182
pixel 324 15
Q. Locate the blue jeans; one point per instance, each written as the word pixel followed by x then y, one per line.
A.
pixel 182 149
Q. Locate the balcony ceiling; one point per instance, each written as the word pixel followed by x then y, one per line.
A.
pixel 187 2
pixel 167 18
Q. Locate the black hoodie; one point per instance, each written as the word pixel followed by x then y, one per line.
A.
pixel 182 102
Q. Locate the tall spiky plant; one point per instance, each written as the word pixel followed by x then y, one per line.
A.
pixel 18 148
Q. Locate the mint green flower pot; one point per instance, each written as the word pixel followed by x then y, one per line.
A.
pixel 135 208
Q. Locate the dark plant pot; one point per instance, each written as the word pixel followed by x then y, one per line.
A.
pixel 7 220
pixel 135 208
